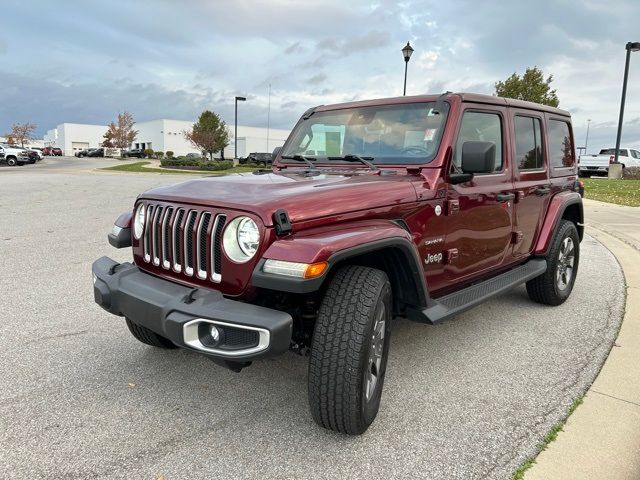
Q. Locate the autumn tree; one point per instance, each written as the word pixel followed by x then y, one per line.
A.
pixel 531 86
pixel 21 133
pixel 209 134
pixel 120 134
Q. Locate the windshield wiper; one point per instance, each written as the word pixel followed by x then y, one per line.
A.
pixel 304 158
pixel 356 158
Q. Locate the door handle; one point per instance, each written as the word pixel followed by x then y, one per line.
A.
pixel 505 197
pixel 542 191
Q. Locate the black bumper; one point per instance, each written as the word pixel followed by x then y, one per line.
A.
pixel 185 315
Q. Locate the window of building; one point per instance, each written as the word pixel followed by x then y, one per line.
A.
pixel 560 145
pixel 528 143
pixel 480 127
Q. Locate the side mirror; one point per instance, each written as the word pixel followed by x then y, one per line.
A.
pixel 478 157
pixel 276 152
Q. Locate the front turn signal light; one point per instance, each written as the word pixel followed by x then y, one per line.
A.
pixel 294 269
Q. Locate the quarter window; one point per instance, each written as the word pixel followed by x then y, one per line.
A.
pixel 528 143
pixel 560 145
pixel 480 127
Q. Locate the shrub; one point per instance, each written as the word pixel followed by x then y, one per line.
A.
pixel 158 155
pixel 195 164
pixel 148 153
pixel 631 173
pixel 169 154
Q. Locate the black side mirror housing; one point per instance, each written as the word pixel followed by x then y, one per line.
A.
pixel 478 157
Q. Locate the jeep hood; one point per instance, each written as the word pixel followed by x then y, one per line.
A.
pixel 302 196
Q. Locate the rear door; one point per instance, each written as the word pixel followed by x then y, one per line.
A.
pixel 531 177
pixel 479 221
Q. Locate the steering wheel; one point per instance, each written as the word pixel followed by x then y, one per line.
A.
pixel 414 151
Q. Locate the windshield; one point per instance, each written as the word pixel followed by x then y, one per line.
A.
pixel 386 134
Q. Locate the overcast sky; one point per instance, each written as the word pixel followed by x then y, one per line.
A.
pixel 83 61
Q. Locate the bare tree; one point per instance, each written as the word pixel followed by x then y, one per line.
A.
pixel 120 134
pixel 21 133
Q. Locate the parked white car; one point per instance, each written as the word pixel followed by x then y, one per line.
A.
pixel 599 164
pixel 13 155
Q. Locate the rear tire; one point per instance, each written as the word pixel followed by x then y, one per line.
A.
pixel 12 162
pixel 554 286
pixel 349 350
pixel 144 335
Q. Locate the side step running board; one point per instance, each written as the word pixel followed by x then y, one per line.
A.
pixel 457 302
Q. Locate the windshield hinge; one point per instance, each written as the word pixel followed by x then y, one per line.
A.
pixel 282 222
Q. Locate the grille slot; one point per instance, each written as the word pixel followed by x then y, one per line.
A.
pixel 166 261
pixel 177 225
pixel 188 242
pixel 146 244
pixel 201 244
pixel 155 235
pixel 216 249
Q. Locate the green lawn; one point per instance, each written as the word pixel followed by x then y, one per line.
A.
pixel 138 167
pixel 622 192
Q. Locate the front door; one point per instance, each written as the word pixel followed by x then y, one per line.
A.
pixel 531 178
pixel 479 212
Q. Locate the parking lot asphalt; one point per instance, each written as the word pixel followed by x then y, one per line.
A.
pixel 81 398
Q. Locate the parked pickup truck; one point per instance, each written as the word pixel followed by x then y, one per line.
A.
pixel 12 155
pixel 599 164
pixel 420 207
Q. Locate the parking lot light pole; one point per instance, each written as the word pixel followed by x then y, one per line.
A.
pixel 235 132
pixel 630 47
pixel 406 51
pixel 586 141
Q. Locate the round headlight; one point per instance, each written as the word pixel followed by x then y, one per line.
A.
pixel 138 221
pixel 248 236
pixel 241 239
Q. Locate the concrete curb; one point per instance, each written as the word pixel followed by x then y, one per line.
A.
pixel 601 440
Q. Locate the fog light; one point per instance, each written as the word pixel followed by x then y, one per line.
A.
pixel 215 333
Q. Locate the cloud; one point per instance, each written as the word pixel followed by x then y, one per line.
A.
pixel 114 56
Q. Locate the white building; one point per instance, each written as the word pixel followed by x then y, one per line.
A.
pixel 162 136
pixel 72 137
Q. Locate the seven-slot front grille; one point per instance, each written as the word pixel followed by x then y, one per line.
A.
pixel 185 240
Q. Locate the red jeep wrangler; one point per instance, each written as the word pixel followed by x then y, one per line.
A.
pixel 415 206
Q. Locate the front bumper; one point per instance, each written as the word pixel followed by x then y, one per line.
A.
pixel 185 315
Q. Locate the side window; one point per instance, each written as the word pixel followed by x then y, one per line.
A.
pixel 480 127
pixel 528 143
pixel 560 145
pixel 635 154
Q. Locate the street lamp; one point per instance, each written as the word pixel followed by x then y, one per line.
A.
pixel 406 51
pixel 630 47
pixel 586 142
pixel 235 133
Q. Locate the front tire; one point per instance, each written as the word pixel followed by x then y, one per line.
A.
pixel 144 335
pixel 554 286
pixel 349 350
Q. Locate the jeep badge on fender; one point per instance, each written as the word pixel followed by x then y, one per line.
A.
pixel 322 252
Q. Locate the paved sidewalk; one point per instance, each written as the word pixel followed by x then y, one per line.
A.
pixel 601 440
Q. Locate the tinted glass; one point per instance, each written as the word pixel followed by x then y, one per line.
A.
pixel 560 146
pixel 528 143
pixel 391 134
pixel 480 127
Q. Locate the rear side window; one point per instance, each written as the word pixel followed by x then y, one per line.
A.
pixel 560 145
pixel 528 143
pixel 612 151
pixel 480 127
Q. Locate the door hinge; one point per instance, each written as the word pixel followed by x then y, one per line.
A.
pixel 452 255
pixel 453 207
pixel 516 237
